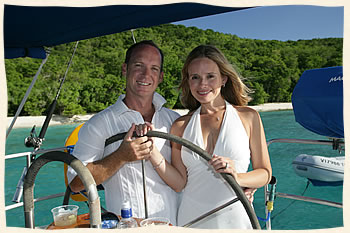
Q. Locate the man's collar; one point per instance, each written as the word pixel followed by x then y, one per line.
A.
pixel 158 102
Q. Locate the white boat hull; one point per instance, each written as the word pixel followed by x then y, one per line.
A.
pixel 320 170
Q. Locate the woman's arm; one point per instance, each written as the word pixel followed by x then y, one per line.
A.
pixel 174 174
pixel 262 172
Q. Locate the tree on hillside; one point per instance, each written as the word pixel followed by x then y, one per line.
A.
pixel 94 81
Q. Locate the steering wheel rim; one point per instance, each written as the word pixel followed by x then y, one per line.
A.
pixel 205 155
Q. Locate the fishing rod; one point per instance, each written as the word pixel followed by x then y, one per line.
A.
pixel 36 141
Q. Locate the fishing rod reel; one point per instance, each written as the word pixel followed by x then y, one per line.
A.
pixel 33 140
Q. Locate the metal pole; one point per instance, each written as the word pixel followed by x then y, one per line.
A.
pixel 144 187
pixel 210 212
pixel 26 96
pixel 310 199
pixel 133 37
pixel 266 192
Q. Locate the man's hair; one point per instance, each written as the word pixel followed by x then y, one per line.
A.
pixel 140 44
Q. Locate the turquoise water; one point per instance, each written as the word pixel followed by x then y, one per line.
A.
pixel 287 214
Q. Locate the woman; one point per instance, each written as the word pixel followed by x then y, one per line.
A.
pixel 220 123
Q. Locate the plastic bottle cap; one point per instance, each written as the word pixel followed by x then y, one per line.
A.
pixel 126 205
pixel 126 211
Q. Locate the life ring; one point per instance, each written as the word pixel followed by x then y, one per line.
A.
pixel 70 143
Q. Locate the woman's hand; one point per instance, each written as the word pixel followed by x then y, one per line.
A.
pixel 249 192
pixel 226 165
pixel 223 165
pixel 142 129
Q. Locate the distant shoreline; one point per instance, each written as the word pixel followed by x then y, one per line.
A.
pixel 30 121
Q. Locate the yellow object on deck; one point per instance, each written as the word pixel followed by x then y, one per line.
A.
pixel 270 206
pixel 71 141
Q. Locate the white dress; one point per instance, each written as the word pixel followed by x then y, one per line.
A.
pixel 205 189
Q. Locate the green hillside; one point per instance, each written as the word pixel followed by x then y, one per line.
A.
pixel 271 68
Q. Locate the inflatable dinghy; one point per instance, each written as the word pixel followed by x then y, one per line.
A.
pixel 320 170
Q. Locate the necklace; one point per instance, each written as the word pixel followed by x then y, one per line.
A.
pixel 217 115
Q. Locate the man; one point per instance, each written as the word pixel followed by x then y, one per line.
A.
pixel 118 166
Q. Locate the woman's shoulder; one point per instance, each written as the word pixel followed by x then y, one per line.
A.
pixel 180 124
pixel 250 118
pixel 245 110
pixel 183 120
pixel 247 114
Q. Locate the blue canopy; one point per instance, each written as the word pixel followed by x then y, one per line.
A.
pixel 318 101
pixel 27 29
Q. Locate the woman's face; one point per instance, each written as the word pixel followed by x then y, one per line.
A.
pixel 205 80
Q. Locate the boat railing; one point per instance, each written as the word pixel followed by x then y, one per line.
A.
pixel 25 188
pixel 337 144
pixel 19 189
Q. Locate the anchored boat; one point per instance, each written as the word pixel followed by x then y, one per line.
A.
pixel 320 170
pixel 318 106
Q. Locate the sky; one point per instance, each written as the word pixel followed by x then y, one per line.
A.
pixel 292 22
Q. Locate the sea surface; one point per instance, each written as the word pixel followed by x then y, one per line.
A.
pixel 287 214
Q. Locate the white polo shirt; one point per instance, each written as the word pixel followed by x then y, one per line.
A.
pixel 127 183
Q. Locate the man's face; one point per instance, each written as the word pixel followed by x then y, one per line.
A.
pixel 143 73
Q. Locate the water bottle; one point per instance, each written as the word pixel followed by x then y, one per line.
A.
pixel 126 221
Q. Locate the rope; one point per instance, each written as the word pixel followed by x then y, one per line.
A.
pixel 290 204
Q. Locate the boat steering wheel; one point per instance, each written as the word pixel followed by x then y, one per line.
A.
pixel 205 155
pixel 85 175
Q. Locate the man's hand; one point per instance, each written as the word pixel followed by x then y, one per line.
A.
pixel 133 149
